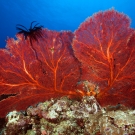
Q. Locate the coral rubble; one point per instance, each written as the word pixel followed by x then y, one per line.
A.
pixel 66 116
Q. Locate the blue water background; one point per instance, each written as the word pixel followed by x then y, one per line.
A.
pixel 55 14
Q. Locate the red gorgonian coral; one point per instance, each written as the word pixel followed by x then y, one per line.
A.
pixel 104 45
pixel 28 80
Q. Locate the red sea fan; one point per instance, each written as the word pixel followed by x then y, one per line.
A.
pixel 29 76
pixel 105 45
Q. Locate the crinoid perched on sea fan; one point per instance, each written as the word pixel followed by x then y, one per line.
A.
pixel 105 46
pixel 33 33
pixel 27 77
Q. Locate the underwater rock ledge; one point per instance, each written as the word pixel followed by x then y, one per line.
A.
pixel 64 116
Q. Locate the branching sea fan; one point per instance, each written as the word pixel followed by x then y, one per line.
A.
pixel 25 80
pixel 105 46
pixel 100 54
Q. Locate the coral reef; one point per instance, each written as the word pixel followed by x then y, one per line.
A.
pixel 64 116
pixel 86 79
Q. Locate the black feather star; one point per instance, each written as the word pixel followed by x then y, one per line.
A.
pixel 33 33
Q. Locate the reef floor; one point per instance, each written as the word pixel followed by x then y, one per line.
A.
pixel 65 116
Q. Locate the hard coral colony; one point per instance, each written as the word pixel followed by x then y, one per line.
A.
pixel 64 116
pixel 97 59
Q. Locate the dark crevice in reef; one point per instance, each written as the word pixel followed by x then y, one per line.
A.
pixel 6 96
pixel 2 124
